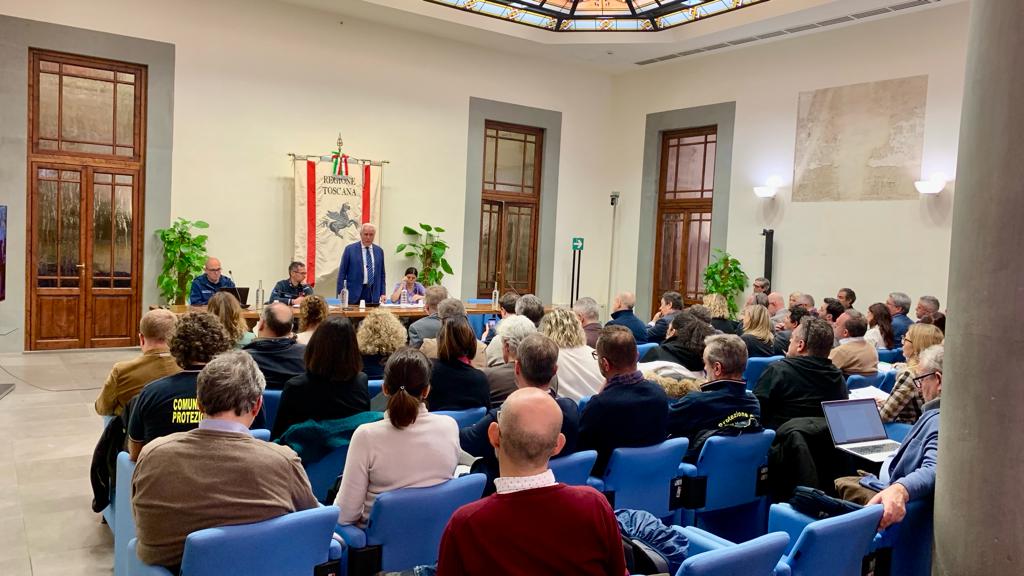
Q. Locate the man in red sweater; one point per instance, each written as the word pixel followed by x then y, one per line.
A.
pixel 532 525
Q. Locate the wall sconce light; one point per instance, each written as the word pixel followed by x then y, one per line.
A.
pixel 770 189
pixel 933 185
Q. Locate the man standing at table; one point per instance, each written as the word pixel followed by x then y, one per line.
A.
pixel 209 283
pixel 362 265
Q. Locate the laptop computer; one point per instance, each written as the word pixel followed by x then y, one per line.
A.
pixel 857 429
pixel 241 293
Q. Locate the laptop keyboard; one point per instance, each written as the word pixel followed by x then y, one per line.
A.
pixel 876 449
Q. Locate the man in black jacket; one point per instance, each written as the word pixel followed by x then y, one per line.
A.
pixel 723 405
pixel 671 304
pixel 797 385
pixel 275 351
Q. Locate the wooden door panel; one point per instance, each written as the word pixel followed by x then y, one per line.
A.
pixel 57 324
pixel 518 239
pixel 112 320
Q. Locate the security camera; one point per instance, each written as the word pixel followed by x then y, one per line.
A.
pixel 615 197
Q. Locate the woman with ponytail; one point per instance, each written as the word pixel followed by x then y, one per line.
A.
pixel 409 448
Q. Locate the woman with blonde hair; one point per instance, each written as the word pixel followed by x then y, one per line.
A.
pixel 905 402
pixel 225 307
pixel 379 335
pixel 578 372
pixel 757 331
pixel 312 311
pixel 719 308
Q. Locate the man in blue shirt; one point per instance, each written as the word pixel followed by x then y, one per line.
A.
pixel 293 289
pixel 622 315
pixel 208 283
pixel 898 304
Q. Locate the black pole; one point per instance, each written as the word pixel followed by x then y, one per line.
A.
pixel 579 265
pixel 769 247
pixel 572 276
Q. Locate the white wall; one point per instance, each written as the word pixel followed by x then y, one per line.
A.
pixel 257 79
pixel 872 247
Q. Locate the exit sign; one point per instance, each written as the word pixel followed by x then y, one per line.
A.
pixel 577 243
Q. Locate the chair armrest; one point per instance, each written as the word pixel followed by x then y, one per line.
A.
pixel 783 569
pixel 687 470
pixel 334 553
pixel 701 540
pixel 595 483
pixel 353 536
pixel 784 518
pixel 137 567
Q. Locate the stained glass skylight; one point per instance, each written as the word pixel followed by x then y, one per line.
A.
pixel 600 15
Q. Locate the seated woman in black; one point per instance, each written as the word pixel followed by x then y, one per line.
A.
pixel 454 383
pixel 757 331
pixel 684 344
pixel 333 386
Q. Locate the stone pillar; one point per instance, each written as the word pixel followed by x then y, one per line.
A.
pixel 979 528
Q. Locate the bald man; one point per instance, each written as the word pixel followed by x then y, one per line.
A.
pixel 362 268
pixel 208 283
pixel 622 315
pixel 533 523
pixel 278 355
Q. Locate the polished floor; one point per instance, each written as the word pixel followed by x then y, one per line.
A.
pixel 47 433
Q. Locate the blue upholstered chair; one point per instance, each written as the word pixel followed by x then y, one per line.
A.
pixel 124 520
pixel 464 417
pixel 855 381
pixel 573 469
pixel 755 366
pixel 905 549
pixel 830 547
pixel 725 492
pixel 289 544
pixel 324 472
pixel 271 401
pixel 261 434
pixel 891 356
pixel 888 381
pixel 374 386
pixel 478 321
pixel 405 526
pixel 757 557
pixel 642 349
pixel 896 430
pixel 582 402
pixel 641 478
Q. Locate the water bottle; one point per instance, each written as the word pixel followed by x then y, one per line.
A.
pixel 362 305
pixel 494 297
pixel 259 296
pixel 343 295
pixel 404 298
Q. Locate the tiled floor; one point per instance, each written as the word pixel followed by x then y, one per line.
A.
pixel 48 430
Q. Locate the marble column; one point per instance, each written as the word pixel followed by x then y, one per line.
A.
pixel 979 528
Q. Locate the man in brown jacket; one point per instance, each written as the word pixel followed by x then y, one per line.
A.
pixel 854 355
pixel 127 378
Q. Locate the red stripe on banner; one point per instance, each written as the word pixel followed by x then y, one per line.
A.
pixel 311 221
pixel 366 193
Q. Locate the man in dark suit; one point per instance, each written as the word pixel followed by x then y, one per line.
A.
pixel 622 315
pixel 362 266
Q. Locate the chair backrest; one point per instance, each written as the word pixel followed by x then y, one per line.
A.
pixel 466 417
pixel 261 434
pixel 757 557
pixel 124 519
pixel 374 386
pixel 271 400
pixel 834 546
pixel 755 366
pixel 408 523
pixel 897 430
pixel 323 473
pixel 890 356
pixel 731 465
pixel 911 540
pixel 855 381
pixel 641 477
pixel 573 469
pixel 888 381
pixel 582 402
pixel 289 544
pixel 642 349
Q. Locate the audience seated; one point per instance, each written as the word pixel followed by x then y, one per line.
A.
pixel 533 525
pixel 794 298
pixel 208 283
pixel 579 374
pixel 217 474
pixel 776 308
pixel 846 297
pixel 898 304
pixel 657 328
pixel 792 318
pixel 905 401
pixel 293 290
pixel 168 405
pixel 502 378
pixel 225 307
pixel 528 306
pixel 534 367
pixel 720 317
pixel 854 355
pixel 911 472
pixel 333 385
pixel 757 298
pixel 831 310
pixel 757 331
pixel 622 315
pixel 807 301
pixel 938 319
pixel 506 307
pixel 379 335
pixel 589 313
pixel 723 406
pixel 880 333
pixel 278 355
pixel 410 448
pixel 430 325
pixel 532 307
pixel 451 308
pixel 312 310
pixel 926 306
pixel 629 411
pixel 762 285
pixel 127 378
pixel 701 313
pixel 797 385
pixel 454 383
pixel 684 344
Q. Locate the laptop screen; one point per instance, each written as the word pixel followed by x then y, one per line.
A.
pixel 854 421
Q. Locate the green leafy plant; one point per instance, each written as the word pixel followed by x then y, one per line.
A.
pixel 726 277
pixel 430 249
pixel 184 257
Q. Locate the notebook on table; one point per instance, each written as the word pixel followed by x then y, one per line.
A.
pixel 856 428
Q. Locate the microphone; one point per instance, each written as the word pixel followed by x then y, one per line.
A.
pixel 230 273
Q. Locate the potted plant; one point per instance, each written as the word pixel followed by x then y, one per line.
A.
pixel 725 276
pixel 184 257
pixel 430 249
